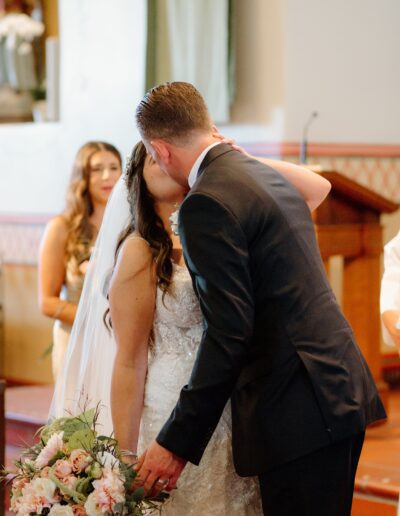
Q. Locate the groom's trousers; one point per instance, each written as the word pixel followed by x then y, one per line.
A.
pixel 317 484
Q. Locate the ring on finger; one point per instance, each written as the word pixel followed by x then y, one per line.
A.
pixel 162 482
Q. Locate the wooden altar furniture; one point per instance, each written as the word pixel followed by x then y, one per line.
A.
pixel 348 224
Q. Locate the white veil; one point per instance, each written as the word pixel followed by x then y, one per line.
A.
pixel 85 379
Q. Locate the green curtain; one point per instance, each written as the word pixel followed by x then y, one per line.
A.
pixel 151 46
pixel 192 40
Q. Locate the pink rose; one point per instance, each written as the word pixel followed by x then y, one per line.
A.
pixel 80 459
pixel 108 491
pixel 19 483
pixel 45 472
pixel 79 510
pixel 70 481
pixel 62 468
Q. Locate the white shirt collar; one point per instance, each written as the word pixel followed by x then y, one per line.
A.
pixel 195 169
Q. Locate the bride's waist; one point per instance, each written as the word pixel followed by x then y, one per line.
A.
pixel 168 375
pixel 174 343
pixel 172 323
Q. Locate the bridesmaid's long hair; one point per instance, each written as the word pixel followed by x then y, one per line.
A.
pixel 144 219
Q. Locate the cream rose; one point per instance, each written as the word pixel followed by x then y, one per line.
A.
pixel 44 488
pixel 91 505
pixel 61 510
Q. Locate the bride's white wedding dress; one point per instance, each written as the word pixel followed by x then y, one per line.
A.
pixel 213 487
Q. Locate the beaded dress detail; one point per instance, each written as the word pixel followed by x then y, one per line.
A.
pixel 213 487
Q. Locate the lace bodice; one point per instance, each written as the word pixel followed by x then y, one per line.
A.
pixel 212 488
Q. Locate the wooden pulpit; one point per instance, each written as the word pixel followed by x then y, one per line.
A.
pixel 348 224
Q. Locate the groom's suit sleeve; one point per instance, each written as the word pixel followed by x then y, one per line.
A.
pixel 217 255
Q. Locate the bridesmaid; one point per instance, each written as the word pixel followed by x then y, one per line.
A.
pixel 69 237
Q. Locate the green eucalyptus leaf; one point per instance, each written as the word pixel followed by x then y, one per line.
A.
pixel 138 494
pixel 82 439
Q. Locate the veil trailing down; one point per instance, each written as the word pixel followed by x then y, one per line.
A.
pixel 86 374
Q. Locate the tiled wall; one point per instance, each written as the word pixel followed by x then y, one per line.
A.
pixel 19 241
pixel 381 174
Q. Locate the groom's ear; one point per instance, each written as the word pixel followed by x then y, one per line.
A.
pixel 162 149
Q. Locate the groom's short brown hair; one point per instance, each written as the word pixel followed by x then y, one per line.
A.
pixel 172 111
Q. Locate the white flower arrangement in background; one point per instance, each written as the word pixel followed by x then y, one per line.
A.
pixel 17 59
pixel 20 25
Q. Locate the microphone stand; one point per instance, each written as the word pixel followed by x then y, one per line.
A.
pixel 303 144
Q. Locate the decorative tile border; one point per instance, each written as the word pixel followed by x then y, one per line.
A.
pixel 375 166
pixel 381 175
pixel 20 238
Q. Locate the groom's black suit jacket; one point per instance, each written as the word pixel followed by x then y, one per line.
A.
pixel 275 341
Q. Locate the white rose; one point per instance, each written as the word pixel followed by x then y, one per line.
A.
pixel 61 510
pixel 91 505
pixel 44 488
pixel 107 460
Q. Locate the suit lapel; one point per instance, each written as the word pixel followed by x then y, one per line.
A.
pixel 212 155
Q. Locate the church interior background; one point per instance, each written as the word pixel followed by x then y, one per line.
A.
pixel 92 61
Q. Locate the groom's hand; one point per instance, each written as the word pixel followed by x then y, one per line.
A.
pixel 156 466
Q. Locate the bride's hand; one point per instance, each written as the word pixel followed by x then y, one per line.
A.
pixel 216 134
pixel 158 469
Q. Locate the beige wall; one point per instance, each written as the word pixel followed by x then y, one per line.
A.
pixel 102 49
pixel 27 334
pixel 341 58
pixel 292 57
pixel 259 41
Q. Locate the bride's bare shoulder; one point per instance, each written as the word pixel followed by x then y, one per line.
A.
pixel 134 256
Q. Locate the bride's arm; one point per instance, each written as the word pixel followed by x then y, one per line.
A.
pixel 132 303
pixel 313 187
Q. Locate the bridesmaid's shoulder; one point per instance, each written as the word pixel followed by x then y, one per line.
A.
pixel 57 229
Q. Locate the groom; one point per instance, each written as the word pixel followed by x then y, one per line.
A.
pixel 275 341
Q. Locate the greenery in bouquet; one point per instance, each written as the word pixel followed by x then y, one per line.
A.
pixel 75 471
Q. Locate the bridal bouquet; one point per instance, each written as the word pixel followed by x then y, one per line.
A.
pixel 75 471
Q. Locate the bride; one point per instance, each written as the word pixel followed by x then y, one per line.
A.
pixel 149 337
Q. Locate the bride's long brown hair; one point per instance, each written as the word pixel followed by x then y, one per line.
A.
pixel 145 220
